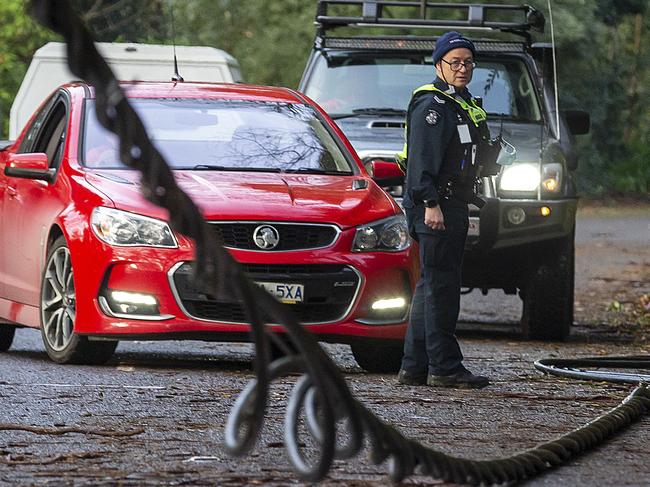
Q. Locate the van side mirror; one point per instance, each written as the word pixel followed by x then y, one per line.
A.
pixel 30 166
pixel 578 121
pixel 385 173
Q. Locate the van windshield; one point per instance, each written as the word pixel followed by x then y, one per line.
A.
pixel 353 84
pixel 224 135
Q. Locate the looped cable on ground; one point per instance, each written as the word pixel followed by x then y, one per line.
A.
pixel 570 368
pixel 321 393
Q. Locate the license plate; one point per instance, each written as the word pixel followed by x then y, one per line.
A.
pixel 474 226
pixel 284 292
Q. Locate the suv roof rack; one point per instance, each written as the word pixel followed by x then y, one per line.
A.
pixel 394 13
pixel 420 43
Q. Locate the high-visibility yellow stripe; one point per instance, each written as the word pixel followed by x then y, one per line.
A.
pixel 476 115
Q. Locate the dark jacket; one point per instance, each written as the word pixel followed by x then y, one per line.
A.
pixel 435 151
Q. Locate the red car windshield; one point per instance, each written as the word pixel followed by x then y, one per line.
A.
pixel 224 135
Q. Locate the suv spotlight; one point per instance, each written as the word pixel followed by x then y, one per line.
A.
pixel 522 240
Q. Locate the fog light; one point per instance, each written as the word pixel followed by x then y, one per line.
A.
pixel 133 303
pixel 545 211
pixel 516 215
pixel 133 298
pixel 391 303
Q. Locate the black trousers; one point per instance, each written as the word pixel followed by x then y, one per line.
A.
pixel 430 346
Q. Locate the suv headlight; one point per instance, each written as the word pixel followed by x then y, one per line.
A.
pixel 520 177
pixel 390 234
pixel 527 177
pixel 121 228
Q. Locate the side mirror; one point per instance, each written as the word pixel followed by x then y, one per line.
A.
pixel 578 121
pixel 385 173
pixel 30 166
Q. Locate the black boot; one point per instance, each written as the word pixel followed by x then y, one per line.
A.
pixel 406 378
pixel 462 380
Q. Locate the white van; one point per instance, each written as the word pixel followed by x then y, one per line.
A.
pixel 143 62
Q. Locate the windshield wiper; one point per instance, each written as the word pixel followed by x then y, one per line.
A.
pixel 207 167
pixel 339 116
pixel 379 111
pixel 313 170
pixel 211 167
pixel 370 111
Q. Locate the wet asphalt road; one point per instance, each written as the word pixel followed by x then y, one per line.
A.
pixel 169 400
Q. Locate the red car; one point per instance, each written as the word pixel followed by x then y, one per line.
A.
pixel 89 261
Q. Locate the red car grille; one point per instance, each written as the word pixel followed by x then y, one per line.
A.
pixel 292 236
pixel 329 291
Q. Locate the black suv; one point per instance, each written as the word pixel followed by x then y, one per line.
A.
pixel 522 240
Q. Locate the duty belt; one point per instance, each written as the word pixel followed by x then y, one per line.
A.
pixel 451 189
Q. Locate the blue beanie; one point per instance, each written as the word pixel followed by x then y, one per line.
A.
pixel 448 41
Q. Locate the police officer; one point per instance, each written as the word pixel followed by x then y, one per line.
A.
pixel 446 130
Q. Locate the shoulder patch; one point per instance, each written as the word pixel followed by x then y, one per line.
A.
pixel 433 117
pixel 439 100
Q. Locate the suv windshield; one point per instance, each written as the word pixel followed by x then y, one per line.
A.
pixel 224 135
pixel 354 84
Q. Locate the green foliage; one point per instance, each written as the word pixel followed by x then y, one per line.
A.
pixel 271 40
pixel 19 38
pixel 124 20
pixel 110 20
pixel 612 11
pixel 603 67
pixel 632 173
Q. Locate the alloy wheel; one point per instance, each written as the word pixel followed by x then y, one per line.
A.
pixel 58 300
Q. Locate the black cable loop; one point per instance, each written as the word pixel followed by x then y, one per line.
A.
pixel 322 385
pixel 311 412
pixel 572 368
pixel 316 471
pixel 342 452
pixel 243 412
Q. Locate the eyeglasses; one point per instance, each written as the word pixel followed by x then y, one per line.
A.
pixel 456 65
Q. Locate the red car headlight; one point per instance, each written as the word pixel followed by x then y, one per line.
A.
pixel 390 234
pixel 121 228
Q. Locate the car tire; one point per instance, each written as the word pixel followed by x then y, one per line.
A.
pixel 7 333
pixel 377 358
pixel 58 314
pixel 548 295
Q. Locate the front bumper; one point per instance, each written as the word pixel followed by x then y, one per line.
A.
pixel 496 232
pixel 503 254
pixel 182 311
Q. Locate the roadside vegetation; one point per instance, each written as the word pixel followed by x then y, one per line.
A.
pixel 603 62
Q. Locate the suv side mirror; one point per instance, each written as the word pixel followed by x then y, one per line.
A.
pixel 385 173
pixel 30 166
pixel 578 121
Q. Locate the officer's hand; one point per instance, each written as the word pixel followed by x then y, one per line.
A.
pixel 434 219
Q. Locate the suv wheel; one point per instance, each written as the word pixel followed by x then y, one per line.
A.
pixel 7 333
pixel 58 314
pixel 377 358
pixel 548 295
